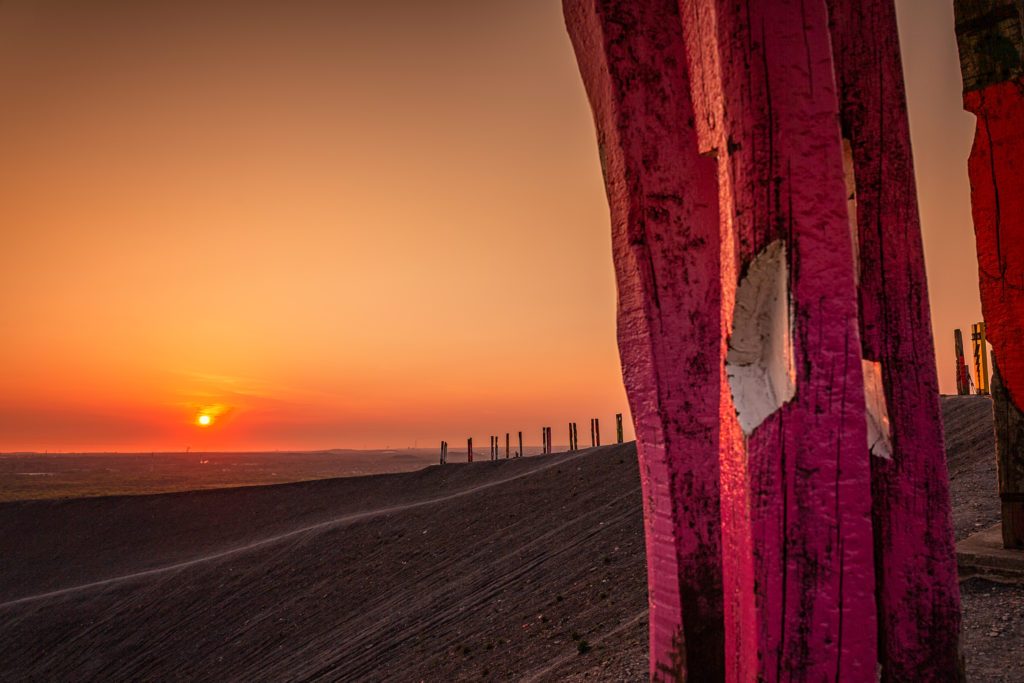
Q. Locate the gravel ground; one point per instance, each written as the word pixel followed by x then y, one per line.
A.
pixel 993 614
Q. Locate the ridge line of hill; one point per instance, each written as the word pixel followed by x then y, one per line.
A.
pixel 337 521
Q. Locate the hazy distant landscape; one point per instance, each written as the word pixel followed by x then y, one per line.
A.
pixel 34 476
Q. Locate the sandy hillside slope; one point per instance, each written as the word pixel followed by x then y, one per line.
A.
pixel 529 569
pixel 493 569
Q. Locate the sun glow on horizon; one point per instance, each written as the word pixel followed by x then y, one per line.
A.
pixel 204 420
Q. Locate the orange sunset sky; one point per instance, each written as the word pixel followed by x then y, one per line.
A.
pixel 338 224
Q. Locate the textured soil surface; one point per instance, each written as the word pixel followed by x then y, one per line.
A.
pixel 528 569
pixel 970 453
pixel 993 614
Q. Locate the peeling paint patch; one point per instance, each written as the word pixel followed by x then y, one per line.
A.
pixel 760 364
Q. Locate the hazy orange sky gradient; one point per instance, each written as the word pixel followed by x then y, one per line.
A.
pixel 338 224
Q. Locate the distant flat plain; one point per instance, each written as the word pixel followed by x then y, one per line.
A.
pixel 35 476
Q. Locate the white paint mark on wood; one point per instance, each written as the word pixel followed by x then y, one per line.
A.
pixel 760 364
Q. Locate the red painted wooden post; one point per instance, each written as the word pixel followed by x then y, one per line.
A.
pixel 666 243
pixel 990 35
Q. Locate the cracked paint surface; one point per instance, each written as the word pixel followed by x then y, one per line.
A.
pixel 996 170
pixel 990 37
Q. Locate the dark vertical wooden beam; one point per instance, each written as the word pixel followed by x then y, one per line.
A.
pixel 963 377
pixel 1009 469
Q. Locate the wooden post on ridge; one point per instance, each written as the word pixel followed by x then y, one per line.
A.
pixel 618 427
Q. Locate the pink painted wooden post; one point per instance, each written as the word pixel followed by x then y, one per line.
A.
pixel 799 558
pixel 666 244
pixel 844 431
pixel 918 595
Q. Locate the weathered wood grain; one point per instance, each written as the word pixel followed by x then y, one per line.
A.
pixel 767 108
pixel 666 242
pixel 918 596
pixel 990 35
pixel 1009 423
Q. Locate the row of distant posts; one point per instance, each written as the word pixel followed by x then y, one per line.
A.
pixel 546 444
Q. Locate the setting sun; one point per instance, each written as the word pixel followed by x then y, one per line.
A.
pixel 204 420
